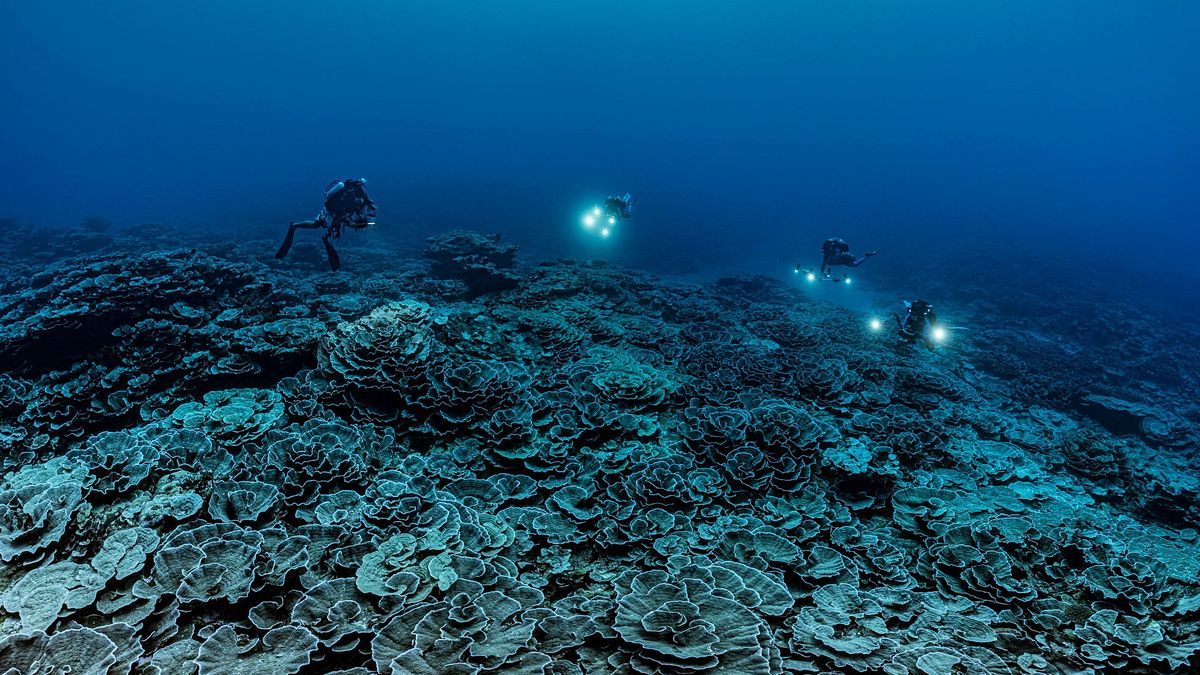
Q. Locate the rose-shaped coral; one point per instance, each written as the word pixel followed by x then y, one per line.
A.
pixel 232 416
pixel 677 625
pixel 384 348
pixel 615 378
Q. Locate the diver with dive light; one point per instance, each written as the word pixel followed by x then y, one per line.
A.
pixel 619 207
pixel 835 251
pixel 920 324
pixel 616 207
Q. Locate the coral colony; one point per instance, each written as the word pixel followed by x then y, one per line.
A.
pixel 473 465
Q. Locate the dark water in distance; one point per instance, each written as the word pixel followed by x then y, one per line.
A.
pixel 750 131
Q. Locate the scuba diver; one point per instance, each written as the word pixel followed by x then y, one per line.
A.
pixel 835 251
pixel 919 323
pixel 619 207
pixel 346 206
pixel 615 208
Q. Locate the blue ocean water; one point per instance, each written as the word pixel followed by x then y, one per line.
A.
pixel 508 435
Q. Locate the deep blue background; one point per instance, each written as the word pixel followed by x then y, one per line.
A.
pixel 750 130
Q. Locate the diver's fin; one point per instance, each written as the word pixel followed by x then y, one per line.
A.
pixel 335 262
pixel 287 244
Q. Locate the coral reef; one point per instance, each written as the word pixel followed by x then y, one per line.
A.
pixel 216 467
pixel 479 261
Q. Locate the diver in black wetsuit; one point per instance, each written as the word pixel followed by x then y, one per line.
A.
pixel 619 207
pixel 835 251
pixel 346 206
pixel 920 323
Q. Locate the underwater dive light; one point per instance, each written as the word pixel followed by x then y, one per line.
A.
pixel 604 232
pixel 876 324
pixel 846 279
pixel 612 220
pixel 589 220
pixel 812 277
pixel 939 334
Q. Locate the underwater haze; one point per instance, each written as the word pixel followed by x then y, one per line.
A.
pixel 1067 127
pixel 888 365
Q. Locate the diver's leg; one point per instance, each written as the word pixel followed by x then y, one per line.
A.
pixel 334 261
pixel 855 262
pixel 291 234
